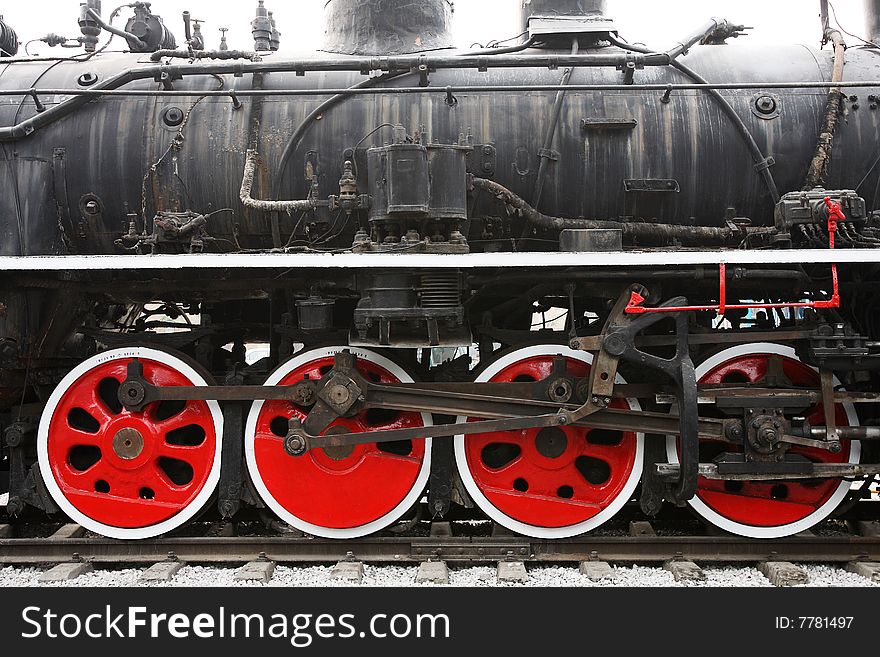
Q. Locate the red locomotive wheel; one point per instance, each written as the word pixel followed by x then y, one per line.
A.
pixel 779 508
pixel 122 474
pixel 342 492
pixel 554 482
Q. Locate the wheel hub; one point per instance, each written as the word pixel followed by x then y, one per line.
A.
pixel 551 442
pixel 128 444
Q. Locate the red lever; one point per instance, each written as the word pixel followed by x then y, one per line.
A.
pixel 835 215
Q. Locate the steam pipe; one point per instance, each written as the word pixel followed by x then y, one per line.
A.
pixel 707 30
pixel 355 64
pixel 819 164
pixel 159 55
pixel 187 26
pixel 698 235
pixel 128 36
pixel 247 184
pixel 550 136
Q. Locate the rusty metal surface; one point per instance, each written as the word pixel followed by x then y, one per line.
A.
pixel 388 27
pixel 587 181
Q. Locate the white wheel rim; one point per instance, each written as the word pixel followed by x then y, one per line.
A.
pixel 317 530
pixel 512 523
pixel 151 531
pixel 779 531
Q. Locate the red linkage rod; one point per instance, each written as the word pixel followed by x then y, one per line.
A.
pixel 835 215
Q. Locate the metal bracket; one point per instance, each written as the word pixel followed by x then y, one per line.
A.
pixel 618 341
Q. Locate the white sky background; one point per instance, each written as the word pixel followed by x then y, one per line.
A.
pixel 476 21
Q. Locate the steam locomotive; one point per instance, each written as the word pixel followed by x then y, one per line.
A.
pixel 392 279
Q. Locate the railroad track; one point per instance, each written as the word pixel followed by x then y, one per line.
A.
pixel 70 542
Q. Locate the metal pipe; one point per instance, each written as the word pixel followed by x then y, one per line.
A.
pixel 196 55
pixel 546 152
pixel 128 36
pixel 633 230
pixel 361 64
pixel 360 91
pixel 297 136
pixel 187 27
pixel 247 184
pixel 699 35
pixel 819 165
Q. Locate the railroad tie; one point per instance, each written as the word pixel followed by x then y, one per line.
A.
pixel 164 571
pixel 866 569
pixel 432 572
pixel 256 571
pixel 783 573
pixel 641 528
pixel 685 571
pixel 597 571
pixel 870 528
pixel 69 531
pixel 348 571
pixel 65 572
pixel 513 572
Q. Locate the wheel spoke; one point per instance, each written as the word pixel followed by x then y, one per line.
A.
pixel 122 494
pixel 533 481
pixel 337 492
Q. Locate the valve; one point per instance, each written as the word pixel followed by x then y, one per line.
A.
pixel 835 216
pixel 261 28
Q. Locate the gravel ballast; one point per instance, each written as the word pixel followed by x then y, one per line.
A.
pixel 405 576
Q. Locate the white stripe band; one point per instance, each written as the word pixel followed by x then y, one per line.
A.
pixel 435 261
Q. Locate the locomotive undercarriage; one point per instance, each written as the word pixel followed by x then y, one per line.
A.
pixel 140 384
pixel 548 431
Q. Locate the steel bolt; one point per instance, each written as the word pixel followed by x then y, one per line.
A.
pixel 15 506
pixel 173 117
pixel 295 446
pixel 766 104
pixel 14 437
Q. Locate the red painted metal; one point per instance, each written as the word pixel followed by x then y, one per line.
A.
pixel 557 493
pixel 135 492
pixel 835 215
pixel 769 504
pixel 338 488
